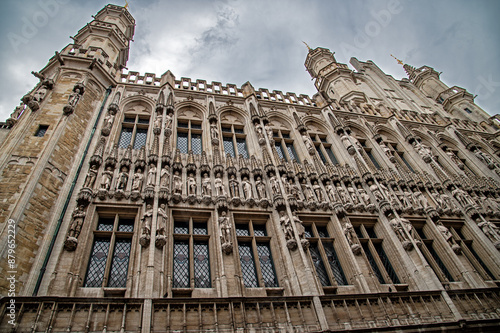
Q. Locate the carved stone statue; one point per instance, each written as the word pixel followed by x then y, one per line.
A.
pixel 137 183
pixel 350 235
pixel 107 177
pixel 275 186
pixel 225 233
pixel 352 194
pixel 76 224
pixel 420 199
pixel 177 183
pixel 491 231
pixel 342 194
pixel 122 179
pixel 294 189
pixel 162 221
pixel 206 186
pixel 261 188
pixel 317 190
pixel 307 190
pixel 332 194
pixel 214 133
pixel 108 123
pixel 91 177
pixel 219 186
pixel 269 132
pixel 461 196
pixel 168 121
pixel 377 192
pixel 161 239
pixel 247 188
pixel 300 230
pixel 286 225
pixel 151 175
pixel 146 220
pixel 448 237
pixel 164 177
pixel 234 189
pixel 308 142
pixel 191 185
pixel 157 123
pixel 364 196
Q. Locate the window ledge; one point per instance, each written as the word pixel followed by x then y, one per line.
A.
pixel 330 290
pixel 274 291
pixel 182 292
pixel 115 292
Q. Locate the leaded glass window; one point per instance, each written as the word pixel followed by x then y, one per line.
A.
pixel 191 259
pixel 433 258
pixel 140 138
pixel 375 254
pixel 468 245
pixel 109 259
pixel 247 265
pixel 229 146
pixel 256 261
pixel 323 255
pixel 125 137
pixel 119 264
pixel 234 140
pixel 324 148
pixel 182 142
pixel 284 146
pixel 181 264
pixel 134 131
pixel 189 134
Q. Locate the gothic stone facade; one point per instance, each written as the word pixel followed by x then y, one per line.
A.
pixel 156 204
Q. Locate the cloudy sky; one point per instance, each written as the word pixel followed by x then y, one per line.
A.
pixel 235 41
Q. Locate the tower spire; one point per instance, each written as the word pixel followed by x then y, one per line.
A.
pixel 410 70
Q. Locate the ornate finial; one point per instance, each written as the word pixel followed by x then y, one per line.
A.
pixel 399 61
pixel 126 5
pixel 307 46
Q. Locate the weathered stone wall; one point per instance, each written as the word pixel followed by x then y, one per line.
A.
pixel 35 202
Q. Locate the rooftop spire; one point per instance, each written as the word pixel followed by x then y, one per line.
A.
pixel 307 46
pixel 410 70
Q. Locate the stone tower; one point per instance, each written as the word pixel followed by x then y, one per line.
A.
pixel 41 156
pixel 146 203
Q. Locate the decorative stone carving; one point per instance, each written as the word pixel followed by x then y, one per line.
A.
pixel 269 132
pixel 307 190
pixel 121 185
pixel 423 151
pixel 309 145
pixel 106 178
pixel 206 186
pixel 247 188
pixel 78 217
pixel 234 188
pixel 214 132
pixel 332 194
pixel 161 239
pixel 448 237
pixel 138 178
pixel 462 197
pixel 219 186
pixel 300 231
pixel 91 177
pixel 191 185
pixel 318 191
pixel 165 177
pixel 291 243
pixel 350 235
pixel 177 183
pixel 402 228
pixel 275 186
pixel 108 124
pixel 491 231
pixel 261 188
pixel 146 226
pixel 225 233
pixel 73 99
